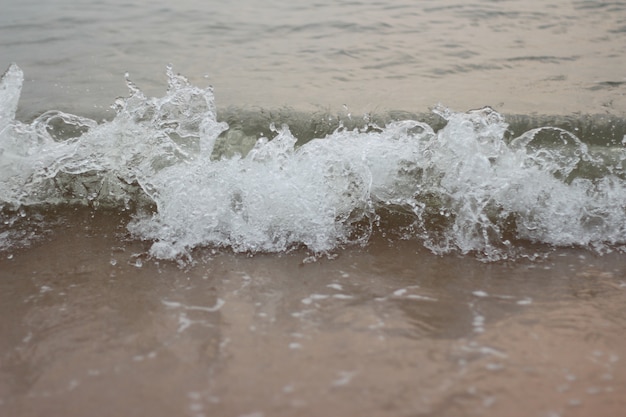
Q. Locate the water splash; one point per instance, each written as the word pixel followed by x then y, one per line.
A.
pixel 468 187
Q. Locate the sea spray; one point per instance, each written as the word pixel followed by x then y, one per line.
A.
pixel 467 186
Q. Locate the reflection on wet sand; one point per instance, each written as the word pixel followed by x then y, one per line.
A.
pixel 90 328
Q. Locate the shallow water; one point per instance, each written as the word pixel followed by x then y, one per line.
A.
pixel 315 234
pixel 91 327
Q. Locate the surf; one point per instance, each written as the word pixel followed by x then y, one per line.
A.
pixel 459 182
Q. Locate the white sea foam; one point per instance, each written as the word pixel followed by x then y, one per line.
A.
pixel 465 187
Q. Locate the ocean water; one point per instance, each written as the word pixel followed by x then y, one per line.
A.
pixel 520 58
pixel 220 144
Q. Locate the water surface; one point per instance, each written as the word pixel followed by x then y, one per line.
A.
pixel 339 208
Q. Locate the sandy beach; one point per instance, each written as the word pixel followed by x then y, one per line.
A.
pixel 90 327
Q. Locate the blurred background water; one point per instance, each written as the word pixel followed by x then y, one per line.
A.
pixel 554 57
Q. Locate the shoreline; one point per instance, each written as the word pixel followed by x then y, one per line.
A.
pixel 90 327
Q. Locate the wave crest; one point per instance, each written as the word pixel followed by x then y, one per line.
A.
pixel 464 186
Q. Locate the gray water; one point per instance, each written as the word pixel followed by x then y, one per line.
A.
pixel 555 57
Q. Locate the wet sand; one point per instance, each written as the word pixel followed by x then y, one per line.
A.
pixel 90 327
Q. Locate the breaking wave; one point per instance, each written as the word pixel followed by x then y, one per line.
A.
pixel 461 182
